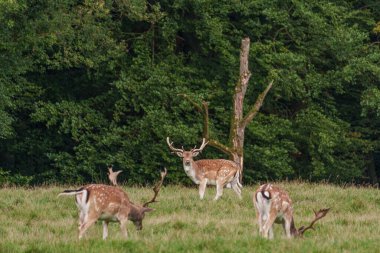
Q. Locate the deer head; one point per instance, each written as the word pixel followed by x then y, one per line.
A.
pixel 186 155
pixel 137 213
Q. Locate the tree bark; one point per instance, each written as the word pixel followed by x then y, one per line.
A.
pixel 236 139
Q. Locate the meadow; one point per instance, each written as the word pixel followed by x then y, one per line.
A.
pixel 36 220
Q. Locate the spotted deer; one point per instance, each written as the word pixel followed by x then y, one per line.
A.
pixel 219 172
pixel 273 205
pixel 109 204
pixel 112 175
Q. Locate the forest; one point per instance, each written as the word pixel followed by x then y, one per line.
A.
pixel 85 84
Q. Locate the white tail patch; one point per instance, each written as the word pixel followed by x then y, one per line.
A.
pixel 266 194
pixel 263 204
pixel 81 200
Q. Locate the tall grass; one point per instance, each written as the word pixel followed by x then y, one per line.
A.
pixel 35 220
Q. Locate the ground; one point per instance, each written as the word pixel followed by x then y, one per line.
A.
pixel 36 220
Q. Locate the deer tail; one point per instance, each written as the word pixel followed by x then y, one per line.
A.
pixel 236 179
pixel 71 192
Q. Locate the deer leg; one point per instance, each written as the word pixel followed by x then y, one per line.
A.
pixel 81 207
pixel 105 229
pixel 81 218
pixel 219 190
pixel 267 231
pixel 123 228
pixel 259 221
pixel 287 229
pixel 224 180
pixel 86 225
pixel 260 214
pixel 202 188
pixel 237 190
pixel 270 232
pixel 287 226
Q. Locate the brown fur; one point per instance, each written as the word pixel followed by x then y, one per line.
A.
pixel 219 172
pixel 106 203
pixel 280 207
pixel 273 205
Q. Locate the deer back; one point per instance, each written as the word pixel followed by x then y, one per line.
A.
pixel 213 168
pixel 273 199
pixel 106 200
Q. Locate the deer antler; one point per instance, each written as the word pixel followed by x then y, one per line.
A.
pixel 173 149
pixel 204 143
pixel 112 175
pixel 318 215
pixel 157 187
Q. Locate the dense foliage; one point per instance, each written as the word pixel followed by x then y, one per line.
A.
pixel 90 83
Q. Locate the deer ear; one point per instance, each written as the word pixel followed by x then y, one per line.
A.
pixel 180 154
pixel 195 154
pixel 147 209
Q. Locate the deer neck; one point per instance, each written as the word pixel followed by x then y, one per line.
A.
pixel 190 170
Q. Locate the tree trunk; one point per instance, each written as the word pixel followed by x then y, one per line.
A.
pixel 372 169
pixel 236 139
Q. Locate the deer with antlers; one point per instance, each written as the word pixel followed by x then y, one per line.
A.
pixel 219 172
pixel 273 205
pixel 109 204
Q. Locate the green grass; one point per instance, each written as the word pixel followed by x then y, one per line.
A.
pixel 35 220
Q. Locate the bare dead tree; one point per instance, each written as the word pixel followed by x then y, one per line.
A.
pixel 239 121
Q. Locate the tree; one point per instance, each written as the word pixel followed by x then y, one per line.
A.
pixel 90 83
pixel 235 147
pixel 5 117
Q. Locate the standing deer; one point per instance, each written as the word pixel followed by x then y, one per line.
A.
pixel 274 205
pixel 112 175
pixel 109 204
pixel 219 172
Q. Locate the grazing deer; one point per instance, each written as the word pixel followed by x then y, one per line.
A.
pixel 112 176
pixel 274 205
pixel 205 172
pixel 109 204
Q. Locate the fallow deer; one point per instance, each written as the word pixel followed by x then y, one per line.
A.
pixel 219 172
pixel 112 175
pixel 273 205
pixel 109 204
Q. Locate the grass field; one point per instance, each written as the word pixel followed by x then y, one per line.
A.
pixel 35 220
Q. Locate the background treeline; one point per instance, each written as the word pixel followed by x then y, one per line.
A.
pixel 86 83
